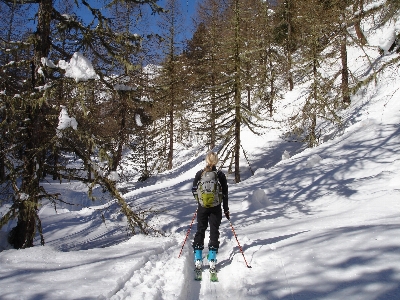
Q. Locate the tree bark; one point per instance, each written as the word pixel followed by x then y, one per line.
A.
pixel 345 71
pixel 237 94
pixel 357 23
pixel 23 234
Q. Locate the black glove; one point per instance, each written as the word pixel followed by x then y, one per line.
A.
pixel 227 215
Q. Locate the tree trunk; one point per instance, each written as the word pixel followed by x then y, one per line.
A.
pixel 312 137
pixel 248 97
pixel 121 135
pixel 345 71
pixel 289 71
pixel 213 116
pixel 42 38
pixel 55 163
pixel 357 23
pixel 171 137
pixel 272 90
pixel 237 94
pixel 312 131
pixel 288 48
pixel 23 234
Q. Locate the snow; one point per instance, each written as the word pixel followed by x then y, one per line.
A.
pixel 78 68
pixel 285 155
pixel 320 223
pixel 48 62
pixel 65 121
pixel 385 36
pixel 138 120
pixel 113 176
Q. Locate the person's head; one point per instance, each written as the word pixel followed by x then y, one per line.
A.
pixel 211 160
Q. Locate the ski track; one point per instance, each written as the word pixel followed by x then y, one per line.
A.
pixel 226 266
pixel 161 275
pixel 149 279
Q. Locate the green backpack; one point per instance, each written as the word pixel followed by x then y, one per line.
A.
pixel 209 191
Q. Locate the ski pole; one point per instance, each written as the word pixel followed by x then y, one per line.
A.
pixel 187 234
pixel 241 250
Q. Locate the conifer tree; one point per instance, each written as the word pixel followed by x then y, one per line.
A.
pixel 32 108
pixel 322 38
pixel 169 98
pixel 271 72
pixel 206 60
pixel 226 39
pixel 286 34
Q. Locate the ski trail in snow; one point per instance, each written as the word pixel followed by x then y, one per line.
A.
pixel 238 282
pixel 157 277
pixel 214 289
pixel 224 288
pixel 199 290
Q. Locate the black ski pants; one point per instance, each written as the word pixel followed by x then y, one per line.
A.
pixel 205 216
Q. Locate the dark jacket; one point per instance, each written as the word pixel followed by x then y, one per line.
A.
pixel 224 186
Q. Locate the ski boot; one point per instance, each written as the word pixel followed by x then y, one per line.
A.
pixel 198 258
pixel 198 263
pixel 212 260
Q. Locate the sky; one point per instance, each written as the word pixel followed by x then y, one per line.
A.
pixel 320 223
pixel 188 8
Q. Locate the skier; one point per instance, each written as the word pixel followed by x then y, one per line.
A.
pixel 211 215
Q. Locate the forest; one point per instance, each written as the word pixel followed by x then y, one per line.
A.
pixel 150 91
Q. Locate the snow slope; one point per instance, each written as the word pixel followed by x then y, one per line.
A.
pixel 322 224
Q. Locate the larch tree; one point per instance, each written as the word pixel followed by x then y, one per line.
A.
pixel 225 44
pixel 286 34
pixel 270 73
pixel 32 107
pixel 169 97
pixel 206 58
pixel 318 35
pixel 239 113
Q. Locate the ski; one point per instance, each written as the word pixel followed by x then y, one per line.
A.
pixel 213 275
pixel 198 274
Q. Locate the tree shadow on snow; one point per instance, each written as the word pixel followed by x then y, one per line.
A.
pixel 346 278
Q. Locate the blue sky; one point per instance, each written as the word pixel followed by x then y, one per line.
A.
pixel 188 8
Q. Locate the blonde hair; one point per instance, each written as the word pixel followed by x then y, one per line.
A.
pixel 211 161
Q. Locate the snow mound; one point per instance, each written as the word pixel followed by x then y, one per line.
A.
pixel 285 155
pixel 260 172
pixel 256 200
pixel 313 161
